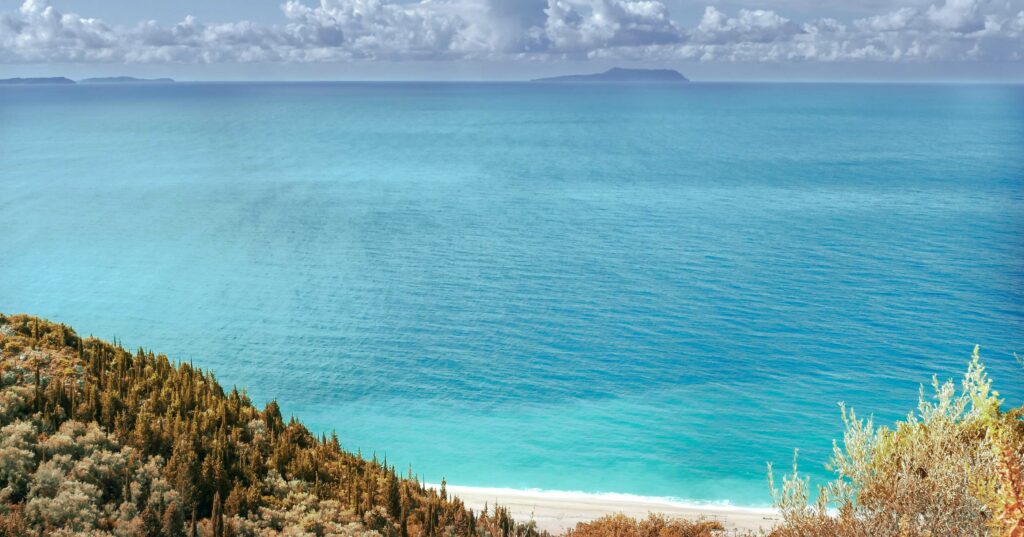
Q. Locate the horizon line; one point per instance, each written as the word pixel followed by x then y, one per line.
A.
pixel 154 80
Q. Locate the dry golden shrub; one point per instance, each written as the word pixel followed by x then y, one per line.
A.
pixel 952 468
pixel 1010 499
pixel 653 526
pixel 12 523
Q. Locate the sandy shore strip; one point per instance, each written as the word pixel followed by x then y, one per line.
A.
pixel 556 511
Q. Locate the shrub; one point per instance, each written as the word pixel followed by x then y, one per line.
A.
pixel 620 525
pixel 17 459
pixel 953 467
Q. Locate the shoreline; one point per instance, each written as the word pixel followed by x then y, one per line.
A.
pixel 557 511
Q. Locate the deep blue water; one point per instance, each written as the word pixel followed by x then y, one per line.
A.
pixel 649 289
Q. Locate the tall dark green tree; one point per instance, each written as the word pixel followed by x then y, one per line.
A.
pixel 217 518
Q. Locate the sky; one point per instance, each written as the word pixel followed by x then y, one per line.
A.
pixel 778 40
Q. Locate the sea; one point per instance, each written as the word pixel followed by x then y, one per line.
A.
pixel 652 290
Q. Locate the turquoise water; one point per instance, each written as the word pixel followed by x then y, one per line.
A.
pixel 646 290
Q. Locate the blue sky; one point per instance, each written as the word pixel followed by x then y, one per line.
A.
pixel 968 40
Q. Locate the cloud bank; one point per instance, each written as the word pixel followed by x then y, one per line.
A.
pixel 438 30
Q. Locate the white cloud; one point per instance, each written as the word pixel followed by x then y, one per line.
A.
pixel 750 26
pixel 354 30
pixel 38 32
pixel 371 29
pixel 892 21
pixel 585 26
pixel 957 15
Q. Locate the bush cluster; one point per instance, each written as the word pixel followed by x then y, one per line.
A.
pixel 96 440
pixel 951 468
pixel 99 441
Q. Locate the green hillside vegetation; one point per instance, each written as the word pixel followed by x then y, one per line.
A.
pixel 98 441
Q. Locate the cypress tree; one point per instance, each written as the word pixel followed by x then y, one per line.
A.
pixel 217 518
pixel 173 522
pixel 150 523
pixel 235 504
pixel 394 499
pixel 38 396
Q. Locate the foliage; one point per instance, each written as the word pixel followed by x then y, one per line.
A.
pixel 653 526
pixel 953 467
pixel 96 440
pixel 99 441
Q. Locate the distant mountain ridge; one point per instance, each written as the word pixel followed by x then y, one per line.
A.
pixel 100 80
pixel 38 80
pixel 125 80
pixel 619 74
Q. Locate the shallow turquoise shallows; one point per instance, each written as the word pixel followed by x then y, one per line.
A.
pixel 651 290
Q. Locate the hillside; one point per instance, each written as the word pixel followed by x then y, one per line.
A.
pixel 100 441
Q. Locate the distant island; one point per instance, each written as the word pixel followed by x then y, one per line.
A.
pixel 618 74
pixel 39 80
pixel 125 80
pixel 101 80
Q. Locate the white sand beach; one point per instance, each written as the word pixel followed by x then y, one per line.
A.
pixel 557 511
